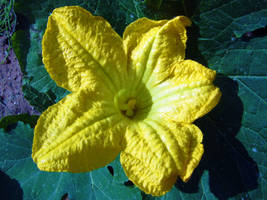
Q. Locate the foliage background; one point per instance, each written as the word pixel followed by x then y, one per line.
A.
pixel 227 35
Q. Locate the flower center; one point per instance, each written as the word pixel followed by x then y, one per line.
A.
pixel 129 108
pixel 126 103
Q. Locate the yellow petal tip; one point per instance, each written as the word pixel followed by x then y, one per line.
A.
pixel 184 20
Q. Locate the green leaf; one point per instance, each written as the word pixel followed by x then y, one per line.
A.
pixel 235 131
pixel 202 192
pixel 6 121
pixel 134 9
pixel 220 39
pixel 154 3
pixel 40 100
pixel 19 44
pixel 17 165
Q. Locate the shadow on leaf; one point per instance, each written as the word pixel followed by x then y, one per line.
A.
pixel 9 188
pixel 231 170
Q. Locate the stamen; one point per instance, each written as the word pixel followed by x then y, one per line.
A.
pixel 130 107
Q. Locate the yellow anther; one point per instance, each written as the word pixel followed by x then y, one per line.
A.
pixel 131 104
pixel 130 107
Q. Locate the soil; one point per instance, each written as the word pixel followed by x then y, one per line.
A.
pixel 12 101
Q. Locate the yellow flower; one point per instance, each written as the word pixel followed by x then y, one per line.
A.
pixel 135 95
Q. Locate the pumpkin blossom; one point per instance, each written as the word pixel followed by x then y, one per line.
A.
pixel 135 96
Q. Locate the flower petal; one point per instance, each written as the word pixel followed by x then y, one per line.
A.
pixel 152 47
pixel 79 48
pixel 155 154
pixel 186 95
pixel 80 133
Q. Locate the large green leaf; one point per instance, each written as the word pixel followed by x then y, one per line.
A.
pixel 221 43
pixel 18 169
pixel 240 119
